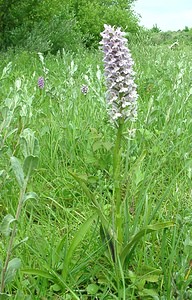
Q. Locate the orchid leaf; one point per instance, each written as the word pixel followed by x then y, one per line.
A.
pixel 127 250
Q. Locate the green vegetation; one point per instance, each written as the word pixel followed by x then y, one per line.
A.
pixel 183 37
pixel 51 25
pixel 57 164
pixel 75 136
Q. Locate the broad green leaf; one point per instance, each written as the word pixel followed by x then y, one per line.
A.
pixel 55 287
pixel 92 289
pixel 30 163
pixel 150 293
pixel 18 170
pixel 92 179
pixel 151 277
pixel 12 268
pixel 5 224
pixel 148 270
pixel 145 274
pixel 132 276
pixel 83 177
pixel 80 234
pixel 127 250
pixel 107 145
pixel 29 143
pixel 97 145
pixel 30 195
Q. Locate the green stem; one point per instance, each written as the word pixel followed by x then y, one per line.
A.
pixel 12 237
pixel 117 185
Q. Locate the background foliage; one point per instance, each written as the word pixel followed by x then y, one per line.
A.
pixel 184 37
pixel 52 25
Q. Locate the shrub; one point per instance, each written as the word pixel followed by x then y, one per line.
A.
pixel 93 14
pixel 49 36
pixel 51 25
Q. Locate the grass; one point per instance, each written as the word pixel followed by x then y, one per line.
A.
pixel 75 136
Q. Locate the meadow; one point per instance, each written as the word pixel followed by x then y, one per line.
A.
pixel 59 250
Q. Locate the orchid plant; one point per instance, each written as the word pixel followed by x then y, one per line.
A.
pixel 122 105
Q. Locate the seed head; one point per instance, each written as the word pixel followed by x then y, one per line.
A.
pixel 118 63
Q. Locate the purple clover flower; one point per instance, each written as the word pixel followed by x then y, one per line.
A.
pixel 118 63
pixel 41 82
pixel 84 89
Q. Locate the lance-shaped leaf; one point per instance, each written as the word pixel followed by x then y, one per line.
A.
pixel 30 195
pixel 18 170
pixel 5 226
pixel 75 242
pixel 38 272
pixel 53 276
pixel 6 70
pixel 21 242
pixel 108 241
pixel 12 268
pixel 91 197
pixel 30 163
pixel 127 250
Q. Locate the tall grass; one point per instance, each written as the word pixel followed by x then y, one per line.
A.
pixel 75 136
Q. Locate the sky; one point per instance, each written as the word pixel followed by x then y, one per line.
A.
pixel 167 14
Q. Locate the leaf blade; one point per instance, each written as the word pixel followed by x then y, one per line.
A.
pixel 18 170
pixel 127 250
pixel 75 242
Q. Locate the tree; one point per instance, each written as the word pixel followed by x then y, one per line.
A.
pixel 155 28
pixel 14 13
pixel 93 14
pixel 24 20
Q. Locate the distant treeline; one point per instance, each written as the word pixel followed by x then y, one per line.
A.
pixel 51 25
pixel 168 37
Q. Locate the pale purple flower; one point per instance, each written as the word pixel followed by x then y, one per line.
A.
pixel 41 82
pixel 121 95
pixel 84 89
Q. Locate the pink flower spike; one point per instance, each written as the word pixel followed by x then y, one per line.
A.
pixel 118 63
